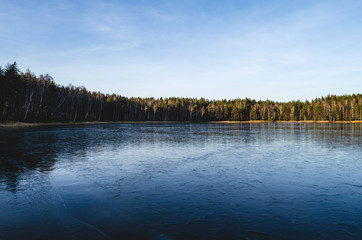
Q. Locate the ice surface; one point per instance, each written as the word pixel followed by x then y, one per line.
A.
pixel 182 181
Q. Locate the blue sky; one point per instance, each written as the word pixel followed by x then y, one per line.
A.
pixel 278 50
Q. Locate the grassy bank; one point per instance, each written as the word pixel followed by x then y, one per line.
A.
pixel 307 121
pixel 16 125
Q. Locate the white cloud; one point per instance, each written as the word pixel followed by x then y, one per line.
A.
pixel 268 52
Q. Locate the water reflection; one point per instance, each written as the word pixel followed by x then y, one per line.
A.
pixel 182 181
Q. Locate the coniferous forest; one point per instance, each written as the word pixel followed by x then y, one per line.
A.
pixel 26 97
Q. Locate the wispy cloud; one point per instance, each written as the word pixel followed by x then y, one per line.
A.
pixel 281 50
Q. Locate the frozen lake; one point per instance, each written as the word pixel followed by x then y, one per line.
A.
pixel 182 181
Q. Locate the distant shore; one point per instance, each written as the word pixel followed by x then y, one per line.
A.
pixel 306 121
pixel 14 125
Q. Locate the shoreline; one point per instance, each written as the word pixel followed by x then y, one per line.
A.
pixel 292 121
pixel 15 125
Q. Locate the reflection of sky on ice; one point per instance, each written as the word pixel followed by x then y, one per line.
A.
pixel 182 181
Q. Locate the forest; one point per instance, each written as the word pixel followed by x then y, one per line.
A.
pixel 25 97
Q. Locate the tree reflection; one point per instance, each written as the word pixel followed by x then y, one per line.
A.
pixel 32 150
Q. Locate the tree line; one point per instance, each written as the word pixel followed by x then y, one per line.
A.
pixel 26 97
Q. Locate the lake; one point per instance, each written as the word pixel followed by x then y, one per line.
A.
pixel 182 181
